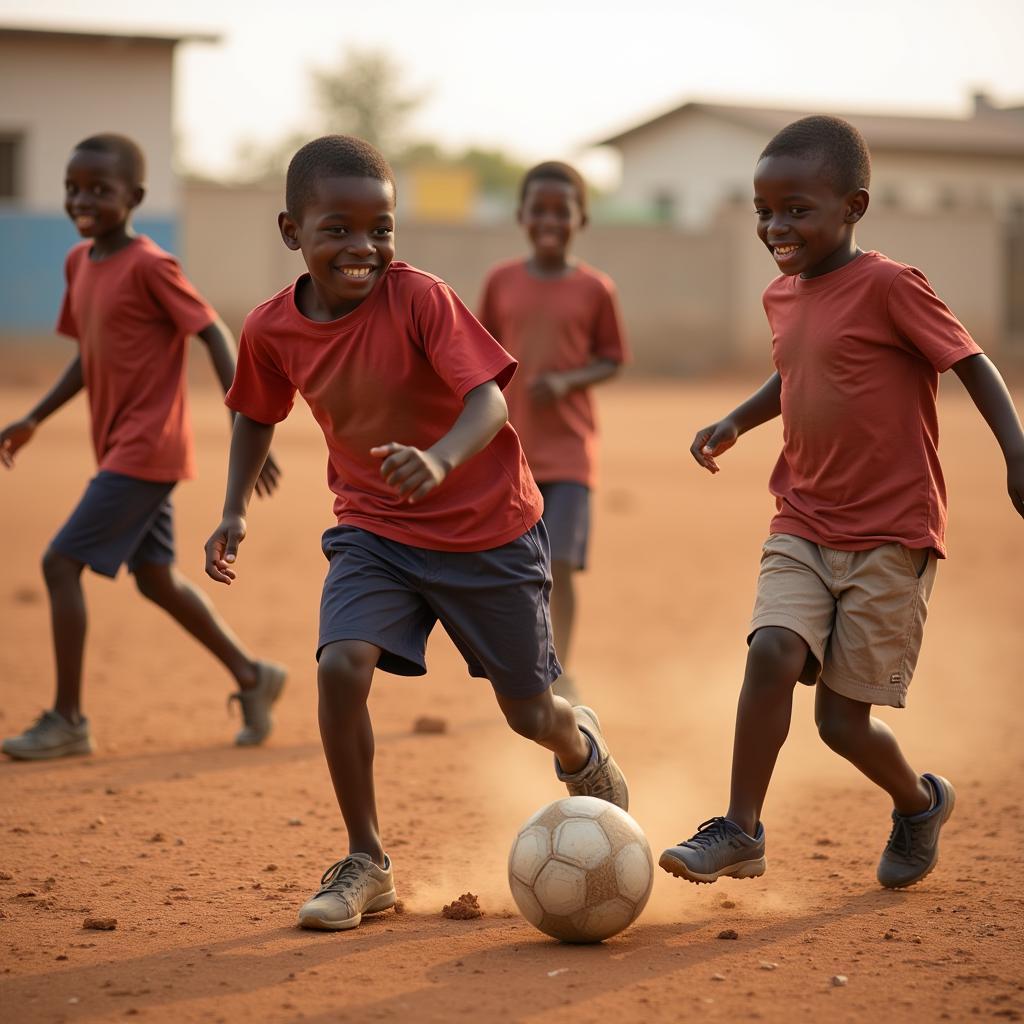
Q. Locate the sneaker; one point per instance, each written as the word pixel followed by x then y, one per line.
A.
pixel 600 776
pixel 349 888
pixel 565 686
pixel 256 703
pixel 719 848
pixel 51 735
pixel 913 847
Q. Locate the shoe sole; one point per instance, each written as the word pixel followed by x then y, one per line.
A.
pixel 78 747
pixel 279 677
pixel 322 924
pixel 592 715
pixel 745 869
pixel 950 796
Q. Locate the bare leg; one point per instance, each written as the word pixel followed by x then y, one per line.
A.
pixel 68 619
pixel 192 610
pixel 344 676
pixel 869 745
pixel 774 662
pixel 563 609
pixel 549 721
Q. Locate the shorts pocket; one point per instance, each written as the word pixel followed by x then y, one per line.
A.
pixel 917 559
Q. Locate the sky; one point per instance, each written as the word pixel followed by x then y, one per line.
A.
pixel 547 79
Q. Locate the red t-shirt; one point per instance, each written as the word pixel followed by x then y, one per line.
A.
pixel 132 314
pixel 396 368
pixel 859 351
pixel 554 324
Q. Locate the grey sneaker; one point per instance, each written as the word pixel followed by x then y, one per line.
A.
pixel 913 847
pixel 257 702
pixel 600 776
pixel 349 889
pixel 565 686
pixel 718 848
pixel 51 735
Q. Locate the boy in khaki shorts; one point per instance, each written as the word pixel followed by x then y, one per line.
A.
pixel 858 342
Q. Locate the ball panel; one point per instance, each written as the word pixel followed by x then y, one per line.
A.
pixel 529 852
pixel 634 873
pixel 602 884
pixel 560 888
pixel 526 902
pixel 604 920
pixel 583 806
pixel 581 842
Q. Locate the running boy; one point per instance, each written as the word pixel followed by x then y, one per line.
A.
pixel 858 342
pixel 131 310
pixel 438 516
pixel 560 319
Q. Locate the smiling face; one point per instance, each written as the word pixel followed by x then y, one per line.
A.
pixel 806 224
pixel 346 233
pixel 97 196
pixel 551 214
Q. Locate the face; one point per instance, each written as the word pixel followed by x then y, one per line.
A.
pixel 807 226
pixel 347 238
pixel 551 214
pixel 96 196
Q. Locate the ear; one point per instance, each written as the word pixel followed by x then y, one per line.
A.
pixel 138 194
pixel 584 220
pixel 857 205
pixel 289 231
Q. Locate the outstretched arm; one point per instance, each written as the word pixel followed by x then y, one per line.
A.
pixel 763 405
pixel 17 434
pixel 556 384
pixel 220 343
pixel 987 389
pixel 250 443
pixel 414 473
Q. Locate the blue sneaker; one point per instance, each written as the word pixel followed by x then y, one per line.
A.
pixel 913 847
pixel 719 847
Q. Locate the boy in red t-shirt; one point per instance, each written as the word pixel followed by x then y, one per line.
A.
pixel 438 516
pixel 131 310
pixel 560 319
pixel 858 342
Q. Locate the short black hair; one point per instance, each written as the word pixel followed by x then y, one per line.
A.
pixel 555 170
pixel 332 156
pixel 842 149
pixel 130 161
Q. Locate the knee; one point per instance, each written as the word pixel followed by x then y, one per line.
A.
pixel 776 655
pixel 531 719
pixel 838 731
pixel 344 673
pixel 59 569
pixel 153 582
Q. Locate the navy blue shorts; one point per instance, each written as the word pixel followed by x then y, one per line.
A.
pixel 119 519
pixel 567 518
pixel 493 604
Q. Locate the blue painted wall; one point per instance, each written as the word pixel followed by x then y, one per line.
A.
pixel 32 251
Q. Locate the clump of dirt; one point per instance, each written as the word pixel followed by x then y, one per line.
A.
pixel 100 924
pixel 465 908
pixel 430 726
pixel 728 933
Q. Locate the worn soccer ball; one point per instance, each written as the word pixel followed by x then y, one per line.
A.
pixel 580 869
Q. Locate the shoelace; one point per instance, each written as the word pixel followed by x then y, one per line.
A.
pixel 903 835
pixel 709 832
pixel 342 874
pixel 41 723
pixel 241 696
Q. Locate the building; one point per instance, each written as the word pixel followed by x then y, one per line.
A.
pixel 57 87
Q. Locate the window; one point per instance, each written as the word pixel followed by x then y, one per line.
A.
pixel 10 166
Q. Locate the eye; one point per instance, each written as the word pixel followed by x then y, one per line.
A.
pixel 334 230
pixel 798 211
pixel 383 232
pixel 762 213
pixel 98 191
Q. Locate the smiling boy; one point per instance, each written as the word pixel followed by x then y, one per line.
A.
pixel 131 310
pixel 438 515
pixel 858 342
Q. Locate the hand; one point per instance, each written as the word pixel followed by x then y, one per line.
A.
pixel 1015 483
pixel 712 441
pixel 270 474
pixel 411 472
pixel 548 387
pixel 222 549
pixel 14 436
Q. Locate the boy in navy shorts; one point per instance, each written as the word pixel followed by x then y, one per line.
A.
pixel 131 310
pixel 560 319
pixel 438 515
pixel 858 343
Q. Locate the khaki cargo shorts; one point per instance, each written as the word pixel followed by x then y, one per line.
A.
pixel 860 612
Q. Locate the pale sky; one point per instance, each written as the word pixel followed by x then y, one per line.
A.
pixel 546 79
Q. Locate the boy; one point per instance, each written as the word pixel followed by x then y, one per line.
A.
pixel 437 511
pixel 131 310
pixel 560 319
pixel 858 342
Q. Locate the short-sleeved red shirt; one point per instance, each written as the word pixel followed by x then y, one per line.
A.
pixel 132 314
pixel 396 368
pixel 859 351
pixel 554 324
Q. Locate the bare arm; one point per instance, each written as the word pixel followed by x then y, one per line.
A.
pixel 250 444
pixel 414 473
pixel 556 384
pixel 17 434
pixel 763 405
pixel 988 391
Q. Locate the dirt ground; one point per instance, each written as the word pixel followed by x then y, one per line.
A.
pixel 204 852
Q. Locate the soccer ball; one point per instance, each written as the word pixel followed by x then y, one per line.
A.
pixel 580 869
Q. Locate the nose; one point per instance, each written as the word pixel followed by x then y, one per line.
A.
pixel 776 228
pixel 361 246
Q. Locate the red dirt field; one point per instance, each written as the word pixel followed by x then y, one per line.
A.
pixel 203 852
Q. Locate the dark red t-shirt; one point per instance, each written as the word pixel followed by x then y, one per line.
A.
pixel 859 351
pixel 132 314
pixel 396 368
pixel 554 324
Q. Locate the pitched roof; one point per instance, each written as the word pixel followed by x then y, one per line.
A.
pixel 992 131
pixel 27 31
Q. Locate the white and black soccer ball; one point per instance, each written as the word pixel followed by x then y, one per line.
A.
pixel 580 869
